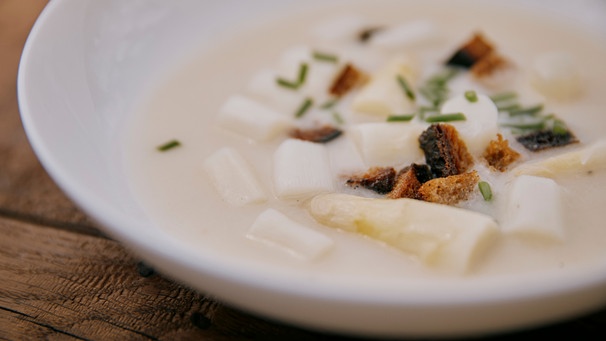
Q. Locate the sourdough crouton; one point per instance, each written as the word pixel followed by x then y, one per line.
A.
pixel 321 134
pixel 499 155
pixel 409 180
pixel 471 52
pixel 378 179
pixel 346 80
pixel 449 190
pixel 444 150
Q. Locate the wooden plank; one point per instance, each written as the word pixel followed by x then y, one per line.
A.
pixel 60 284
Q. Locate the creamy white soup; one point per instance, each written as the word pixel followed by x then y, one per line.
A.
pixel 175 188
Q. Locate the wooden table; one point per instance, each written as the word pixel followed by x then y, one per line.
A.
pixel 62 278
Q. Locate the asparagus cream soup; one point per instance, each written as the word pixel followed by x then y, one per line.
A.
pixel 384 141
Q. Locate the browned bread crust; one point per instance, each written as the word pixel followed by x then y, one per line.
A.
pixel 449 190
pixel 444 150
pixel 499 154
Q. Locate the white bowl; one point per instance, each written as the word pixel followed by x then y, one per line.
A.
pixel 83 68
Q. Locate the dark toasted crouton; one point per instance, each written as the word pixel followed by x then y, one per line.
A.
pixel 408 181
pixel 471 52
pixel 378 179
pixel 322 134
pixel 346 80
pixel 445 152
pixel 489 64
pixel 449 190
pixel 499 155
pixel 546 139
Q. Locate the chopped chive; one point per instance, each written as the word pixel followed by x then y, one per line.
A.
pixel 287 84
pixel 168 145
pixel 485 190
pixel 325 57
pixel 537 125
pixel 505 96
pixel 508 107
pixel 307 103
pixel 329 104
pixel 446 118
pixel 302 73
pixel 407 90
pixel 400 118
pixel 559 127
pixel 300 80
pixel 337 117
pixel 425 109
pixel 527 111
pixel 433 97
pixel 471 96
pixel 444 76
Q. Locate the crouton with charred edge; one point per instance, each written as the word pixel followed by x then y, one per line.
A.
pixel 546 139
pixel 346 80
pixel 471 52
pixel 499 155
pixel 378 179
pixel 445 153
pixel 489 64
pixel 409 180
pixel 449 190
pixel 322 134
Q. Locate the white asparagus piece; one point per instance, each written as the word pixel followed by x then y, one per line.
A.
pixel 534 209
pixel 555 75
pixel 590 158
pixel 251 119
pixel 481 125
pixel 388 143
pixel 275 228
pixel 383 95
pixel 301 169
pixel 234 178
pixel 445 237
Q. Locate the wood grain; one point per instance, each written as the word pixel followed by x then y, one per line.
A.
pixel 60 283
pixel 63 279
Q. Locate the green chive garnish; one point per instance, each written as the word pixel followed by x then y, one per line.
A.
pixel 407 90
pixel 337 117
pixel 287 84
pixel 300 80
pixel 508 107
pixel 325 57
pixel 505 96
pixel 446 118
pixel 168 145
pixel 444 76
pixel 400 118
pixel 329 104
pixel 307 103
pixel 536 125
pixel 527 111
pixel 471 96
pixel 559 127
pixel 485 190
pixel 431 96
pixel 302 73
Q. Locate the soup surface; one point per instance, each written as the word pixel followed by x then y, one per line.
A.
pixel 175 191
